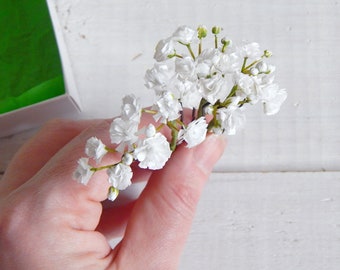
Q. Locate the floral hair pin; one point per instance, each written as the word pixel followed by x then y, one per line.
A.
pixel 214 84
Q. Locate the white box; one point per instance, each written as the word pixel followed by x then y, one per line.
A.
pixel 61 106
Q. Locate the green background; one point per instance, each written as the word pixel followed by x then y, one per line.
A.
pixel 30 66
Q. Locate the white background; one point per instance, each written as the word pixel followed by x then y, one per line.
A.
pixel 273 201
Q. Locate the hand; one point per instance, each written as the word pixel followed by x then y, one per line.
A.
pixel 49 221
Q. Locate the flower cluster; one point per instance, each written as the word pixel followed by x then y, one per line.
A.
pixel 215 84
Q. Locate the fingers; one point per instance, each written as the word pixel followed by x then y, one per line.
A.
pixel 162 217
pixel 39 149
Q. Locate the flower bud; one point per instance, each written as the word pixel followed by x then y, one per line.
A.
pixel 202 31
pixel 113 193
pixel 216 30
pixel 150 131
pixel 225 42
pixel 267 53
pixel 127 159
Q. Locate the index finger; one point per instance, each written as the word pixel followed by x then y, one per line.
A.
pixel 35 153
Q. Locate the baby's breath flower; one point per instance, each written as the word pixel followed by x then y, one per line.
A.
pixel 272 98
pixel 131 109
pixel 195 132
pixel 159 76
pixel 262 67
pixel 214 88
pixel 220 81
pixel 185 68
pixel 95 149
pixel 251 50
pixel 153 152
pixel 168 108
pixel 185 35
pixel 230 120
pixel 123 133
pixel 120 176
pixel 83 172
pixel 164 48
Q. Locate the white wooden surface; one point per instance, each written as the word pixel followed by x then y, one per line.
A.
pixel 274 199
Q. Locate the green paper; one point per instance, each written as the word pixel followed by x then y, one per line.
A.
pixel 30 66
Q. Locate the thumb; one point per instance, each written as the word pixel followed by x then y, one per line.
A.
pixel 162 217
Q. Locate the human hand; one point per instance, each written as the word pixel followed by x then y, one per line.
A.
pixel 48 221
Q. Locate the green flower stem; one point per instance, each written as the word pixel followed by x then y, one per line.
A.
pixel 174 134
pixel 216 41
pixel 224 48
pixel 160 127
pixel 200 112
pixel 190 51
pixel 200 47
pixel 244 64
pixel 214 122
pixel 110 150
pixel 94 169
pixel 148 111
pixel 232 93
pixel 252 64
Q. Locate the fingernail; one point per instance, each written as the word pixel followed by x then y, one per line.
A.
pixel 210 151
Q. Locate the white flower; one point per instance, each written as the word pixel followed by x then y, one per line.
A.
pixel 251 50
pixel 153 152
pixel 214 88
pixel 120 176
pixel 272 98
pixel 164 48
pixel 189 95
pixel 185 68
pixel 95 149
pixel 229 63
pixel 230 120
pixel 262 66
pixel 158 77
pixel 245 83
pixel 131 109
pixel 83 172
pixel 207 62
pixel 195 132
pixel 167 107
pixel 185 35
pixel 123 133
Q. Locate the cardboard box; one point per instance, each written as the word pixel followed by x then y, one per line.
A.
pixel 63 105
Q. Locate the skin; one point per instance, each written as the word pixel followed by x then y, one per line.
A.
pixel 49 221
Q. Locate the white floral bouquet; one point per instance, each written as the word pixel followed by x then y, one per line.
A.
pixel 213 85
